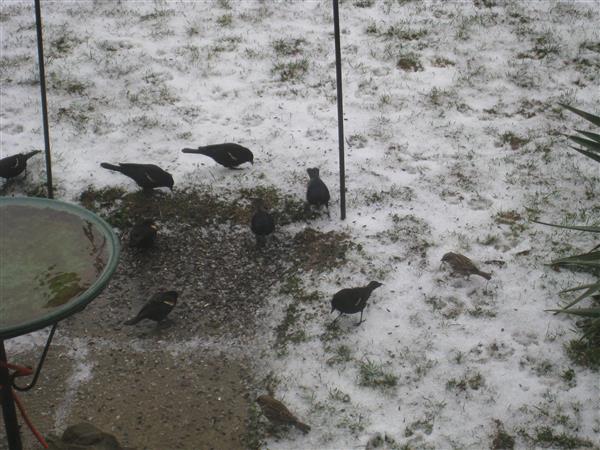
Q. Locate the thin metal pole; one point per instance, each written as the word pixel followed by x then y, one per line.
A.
pixel 40 364
pixel 340 101
pixel 11 425
pixel 40 43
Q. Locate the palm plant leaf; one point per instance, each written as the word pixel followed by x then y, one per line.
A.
pixel 589 134
pixel 593 229
pixel 592 145
pixel 594 156
pixel 590 290
pixel 585 259
pixel 583 312
pixel 587 116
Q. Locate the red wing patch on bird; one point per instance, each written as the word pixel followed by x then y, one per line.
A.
pixel 169 302
pixel 357 302
pixel 232 157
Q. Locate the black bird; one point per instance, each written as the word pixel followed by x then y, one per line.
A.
pixel 262 223
pixel 317 193
pixel 157 308
pixel 14 165
pixel 353 300
pixel 147 176
pixel 229 155
pixel 143 234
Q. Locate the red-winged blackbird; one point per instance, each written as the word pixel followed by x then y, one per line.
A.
pixel 464 266
pixel 229 155
pixel 143 234
pixel 278 414
pixel 14 165
pixel 353 300
pixel 157 308
pixel 262 223
pixel 317 193
pixel 147 176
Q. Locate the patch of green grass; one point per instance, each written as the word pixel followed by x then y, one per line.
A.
pixel 338 395
pixel 226 44
pixel 356 140
pixel 569 377
pixel 440 61
pixel 291 70
pixel 547 437
pixel 372 29
pixel 372 374
pixel 68 83
pixel 514 141
pixel 473 382
pixel 253 438
pixel 157 15
pixel 341 354
pixel 402 32
pixel 363 3
pixel 289 46
pixel 501 440
pixel 409 62
pixel 225 20
pixel 424 425
pixel 584 353
pixel 449 308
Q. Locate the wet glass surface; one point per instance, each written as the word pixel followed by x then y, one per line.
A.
pixel 47 258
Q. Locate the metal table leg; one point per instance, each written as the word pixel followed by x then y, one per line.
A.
pixel 8 405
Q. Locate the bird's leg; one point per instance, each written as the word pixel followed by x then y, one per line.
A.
pixel 336 318
pixel 327 206
pixel 360 321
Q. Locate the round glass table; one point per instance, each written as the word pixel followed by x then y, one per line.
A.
pixel 55 258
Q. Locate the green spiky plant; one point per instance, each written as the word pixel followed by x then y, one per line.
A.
pixel 590 323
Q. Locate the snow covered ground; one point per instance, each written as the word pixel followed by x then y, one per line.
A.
pixel 454 143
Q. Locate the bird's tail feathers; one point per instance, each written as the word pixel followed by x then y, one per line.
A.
pixel 30 154
pixel 133 321
pixel 199 150
pixel 110 166
pixel 486 275
pixel 302 426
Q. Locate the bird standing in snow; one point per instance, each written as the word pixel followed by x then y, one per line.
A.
pixel 462 265
pixel 229 155
pixel 353 300
pixel 143 234
pixel 317 193
pixel 262 223
pixel 157 308
pixel 278 414
pixel 14 165
pixel 147 176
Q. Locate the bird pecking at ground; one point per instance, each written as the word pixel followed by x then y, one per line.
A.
pixel 353 300
pixel 14 165
pixel 317 193
pixel 462 265
pixel 278 414
pixel 143 234
pixel 147 176
pixel 262 223
pixel 157 309
pixel 229 154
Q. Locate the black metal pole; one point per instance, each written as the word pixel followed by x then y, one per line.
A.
pixel 340 105
pixel 40 43
pixel 11 425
